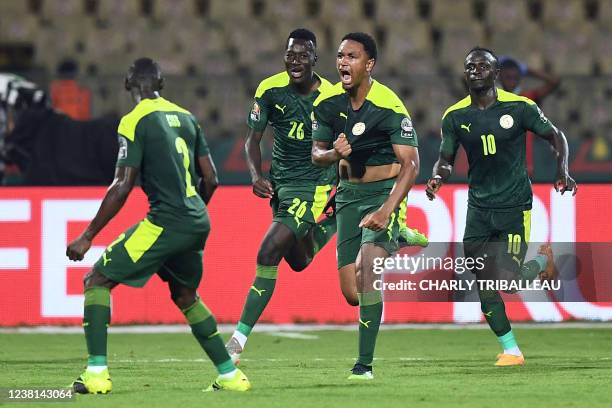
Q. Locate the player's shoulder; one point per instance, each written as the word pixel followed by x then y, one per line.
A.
pixel 383 97
pixel 458 106
pixel 509 97
pixel 328 92
pixel 279 80
pixel 146 107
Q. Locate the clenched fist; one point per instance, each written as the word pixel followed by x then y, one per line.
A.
pixel 342 146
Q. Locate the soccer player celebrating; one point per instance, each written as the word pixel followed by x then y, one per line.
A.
pixel 362 125
pixel 490 124
pixel 298 190
pixel 160 141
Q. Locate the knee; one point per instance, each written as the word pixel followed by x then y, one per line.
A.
pixel 95 278
pixel 268 255
pixel 351 299
pixel 298 266
pixel 184 298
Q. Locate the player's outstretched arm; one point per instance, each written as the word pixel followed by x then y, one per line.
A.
pixel 209 181
pixel 442 171
pixel 408 157
pixel 563 181
pixel 116 195
pixel 323 156
pixel 261 186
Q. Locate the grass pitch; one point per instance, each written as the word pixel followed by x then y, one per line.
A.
pixel 425 368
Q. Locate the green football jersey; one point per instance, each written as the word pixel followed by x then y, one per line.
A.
pixel 164 141
pixel 379 123
pixel 494 140
pixel 289 115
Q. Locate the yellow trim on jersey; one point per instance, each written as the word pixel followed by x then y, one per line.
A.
pixel 464 103
pixel 320 198
pixel 527 225
pixel 281 80
pixel 275 81
pixel 127 126
pixel 502 96
pixel 329 92
pixel 383 97
pixel 142 239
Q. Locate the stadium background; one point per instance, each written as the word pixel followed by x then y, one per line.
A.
pixel 214 53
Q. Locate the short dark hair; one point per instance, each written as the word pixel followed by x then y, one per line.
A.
pixel 369 45
pixel 145 71
pixel 483 49
pixel 303 34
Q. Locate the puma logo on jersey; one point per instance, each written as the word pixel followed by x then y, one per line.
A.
pixel 258 291
pixel 466 127
pixel 297 221
pixel 366 323
pixel 105 260
pixel 343 115
pixel 282 109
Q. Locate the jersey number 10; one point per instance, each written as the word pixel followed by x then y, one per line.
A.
pixel 488 144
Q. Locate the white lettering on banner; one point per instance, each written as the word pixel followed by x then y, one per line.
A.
pixel 562 213
pixel 56 214
pixel 13 258
pixel 560 227
pixel 14 211
pixel 460 199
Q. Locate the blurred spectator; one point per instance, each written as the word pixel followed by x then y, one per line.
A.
pixel 67 95
pixel 16 95
pixel 512 71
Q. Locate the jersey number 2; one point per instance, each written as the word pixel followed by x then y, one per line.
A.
pixel 181 147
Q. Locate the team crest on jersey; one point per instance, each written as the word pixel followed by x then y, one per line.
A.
pixel 407 129
pixel 255 112
pixel 506 121
pixel 359 128
pixel 122 148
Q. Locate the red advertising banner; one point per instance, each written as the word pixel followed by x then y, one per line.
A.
pixel 39 285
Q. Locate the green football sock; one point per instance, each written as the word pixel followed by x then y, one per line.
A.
pixel 204 328
pixel 96 318
pixel 531 269
pixel 258 297
pixel 323 232
pixel 370 315
pixel 492 306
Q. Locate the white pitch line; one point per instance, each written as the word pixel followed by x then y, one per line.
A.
pixel 300 328
pixel 272 360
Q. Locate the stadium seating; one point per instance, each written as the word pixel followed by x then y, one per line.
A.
pixel 216 51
